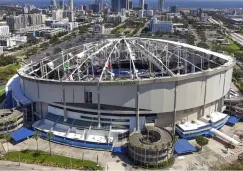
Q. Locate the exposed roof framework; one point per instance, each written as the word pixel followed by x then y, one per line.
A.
pixel 125 59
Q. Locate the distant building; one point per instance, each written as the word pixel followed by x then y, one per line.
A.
pixel 69 14
pixel 9 42
pixel 146 6
pixel 174 9
pixel 140 13
pixel 130 5
pixel 141 4
pixel 94 7
pixel 98 29
pixel 61 4
pixel 160 26
pixel 67 26
pixel 23 21
pixel 117 5
pixel 123 11
pixel 49 33
pixel 115 18
pixel 25 9
pixel 4 31
pixel 204 17
pixel 57 14
pixel 161 5
pixel 149 13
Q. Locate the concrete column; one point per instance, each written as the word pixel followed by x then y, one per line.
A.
pixel 137 110
pixel 98 97
pixel 175 105
pixel 222 100
pixel 205 96
pixel 64 103
pixel 32 112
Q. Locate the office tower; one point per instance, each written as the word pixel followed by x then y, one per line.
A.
pixel 130 5
pixel 25 9
pixel 94 7
pixel 141 4
pixel 57 15
pixel 174 9
pixel 61 4
pixel 146 6
pixel 70 4
pixel 161 5
pixel 54 4
pixel 101 2
pixel 117 5
pixel 69 15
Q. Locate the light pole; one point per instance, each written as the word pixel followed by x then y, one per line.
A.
pixel 107 167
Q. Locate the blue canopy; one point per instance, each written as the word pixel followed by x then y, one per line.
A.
pixel 119 150
pixel 21 134
pixel 182 146
pixel 233 120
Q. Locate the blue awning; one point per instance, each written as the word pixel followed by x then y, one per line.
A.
pixel 233 120
pixel 119 150
pixel 182 146
pixel 21 134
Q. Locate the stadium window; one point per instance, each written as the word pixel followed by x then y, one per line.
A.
pixel 88 97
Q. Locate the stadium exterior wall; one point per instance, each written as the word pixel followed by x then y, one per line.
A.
pixel 191 95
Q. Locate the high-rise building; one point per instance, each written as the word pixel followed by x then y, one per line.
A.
pixel 141 4
pixel 146 6
pixel 101 2
pixel 61 4
pixel 4 31
pixel 53 4
pixel 95 7
pixel 160 26
pixel 161 5
pixel 57 14
pixel 23 21
pixel 174 9
pixel 68 14
pixel 25 9
pixel 130 6
pixel 117 5
pixel 70 4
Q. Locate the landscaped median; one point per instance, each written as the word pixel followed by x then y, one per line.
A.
pixel 44 158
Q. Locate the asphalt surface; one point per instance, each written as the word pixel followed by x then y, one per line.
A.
pixel 13 166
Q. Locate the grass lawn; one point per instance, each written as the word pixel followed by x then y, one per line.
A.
pixel 43 158
pixel 2 93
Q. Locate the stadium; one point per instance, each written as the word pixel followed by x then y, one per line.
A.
pixel 97 94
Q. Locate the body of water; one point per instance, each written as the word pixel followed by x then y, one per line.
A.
pixel 152 3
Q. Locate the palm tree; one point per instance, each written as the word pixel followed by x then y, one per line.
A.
pixel 36 136
pixel 49 137
pixel 7 137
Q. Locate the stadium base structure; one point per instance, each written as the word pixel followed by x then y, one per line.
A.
pixel 102 91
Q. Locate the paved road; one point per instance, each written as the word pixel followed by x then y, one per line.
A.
pixel 237 37
pixel 12 166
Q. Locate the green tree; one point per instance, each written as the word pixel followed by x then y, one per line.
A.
pixel 49 137
pixel 36 136
pixel 201 141
pixel 8 138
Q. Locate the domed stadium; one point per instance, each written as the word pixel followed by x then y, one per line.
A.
pixel 96 94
